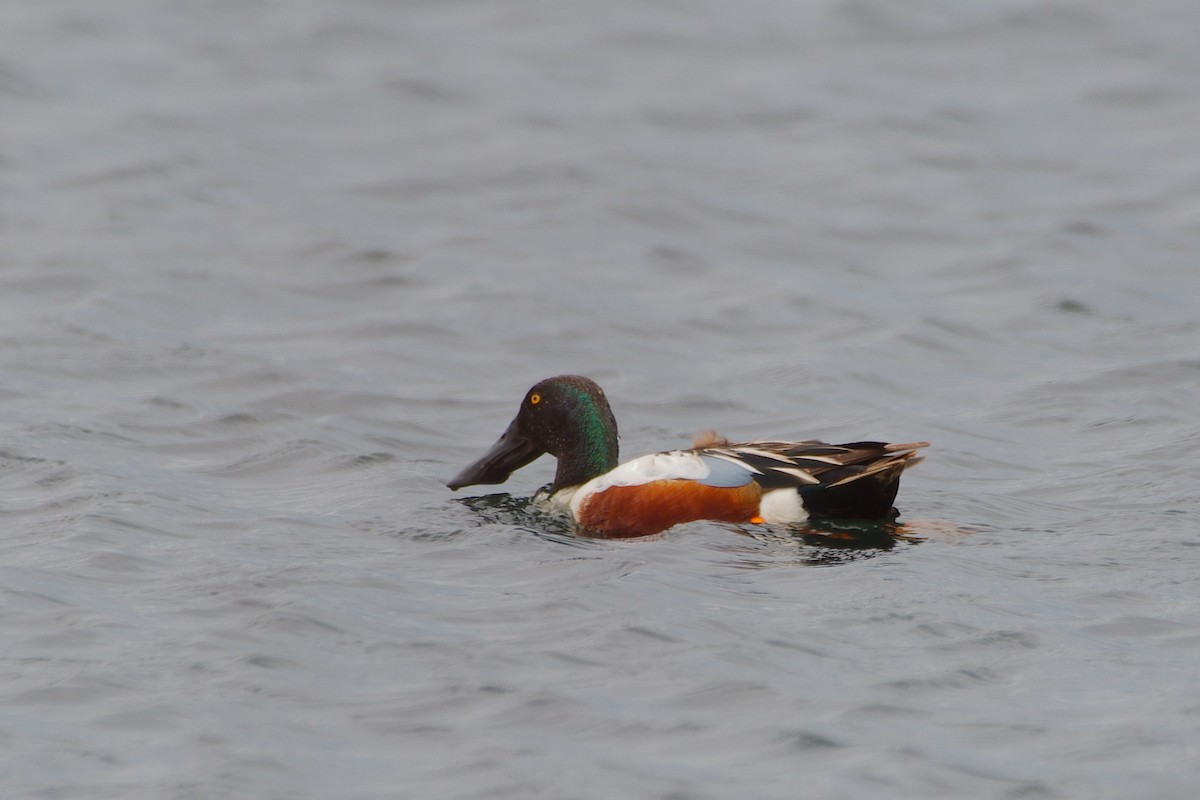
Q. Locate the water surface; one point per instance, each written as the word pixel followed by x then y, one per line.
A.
pixel 273 272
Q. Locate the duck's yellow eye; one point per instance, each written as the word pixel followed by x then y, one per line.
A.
pixel 534 399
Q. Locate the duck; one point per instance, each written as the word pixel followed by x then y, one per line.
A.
pixel 752 482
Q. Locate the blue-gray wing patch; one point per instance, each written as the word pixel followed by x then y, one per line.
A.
pixel 724 473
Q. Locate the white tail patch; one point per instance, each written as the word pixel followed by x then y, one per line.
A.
pixel 782 507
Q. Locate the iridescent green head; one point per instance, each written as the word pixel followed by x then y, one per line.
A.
pixel 566 416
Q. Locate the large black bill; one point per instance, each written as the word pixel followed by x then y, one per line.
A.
pixel 510 453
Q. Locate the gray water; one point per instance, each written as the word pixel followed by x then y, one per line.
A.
pixel 271 272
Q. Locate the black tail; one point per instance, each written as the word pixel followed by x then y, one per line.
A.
pixel 869 497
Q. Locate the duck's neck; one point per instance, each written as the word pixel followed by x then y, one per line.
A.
pixel 590 448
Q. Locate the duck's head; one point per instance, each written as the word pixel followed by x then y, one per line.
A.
pixel 566 416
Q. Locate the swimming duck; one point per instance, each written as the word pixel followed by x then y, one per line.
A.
pixel 776 482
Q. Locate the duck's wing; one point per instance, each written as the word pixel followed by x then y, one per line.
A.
pixel 811 463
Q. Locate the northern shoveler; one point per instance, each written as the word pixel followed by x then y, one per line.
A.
pixel 569 417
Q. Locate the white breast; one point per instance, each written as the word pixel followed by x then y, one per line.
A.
pixel 677 464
